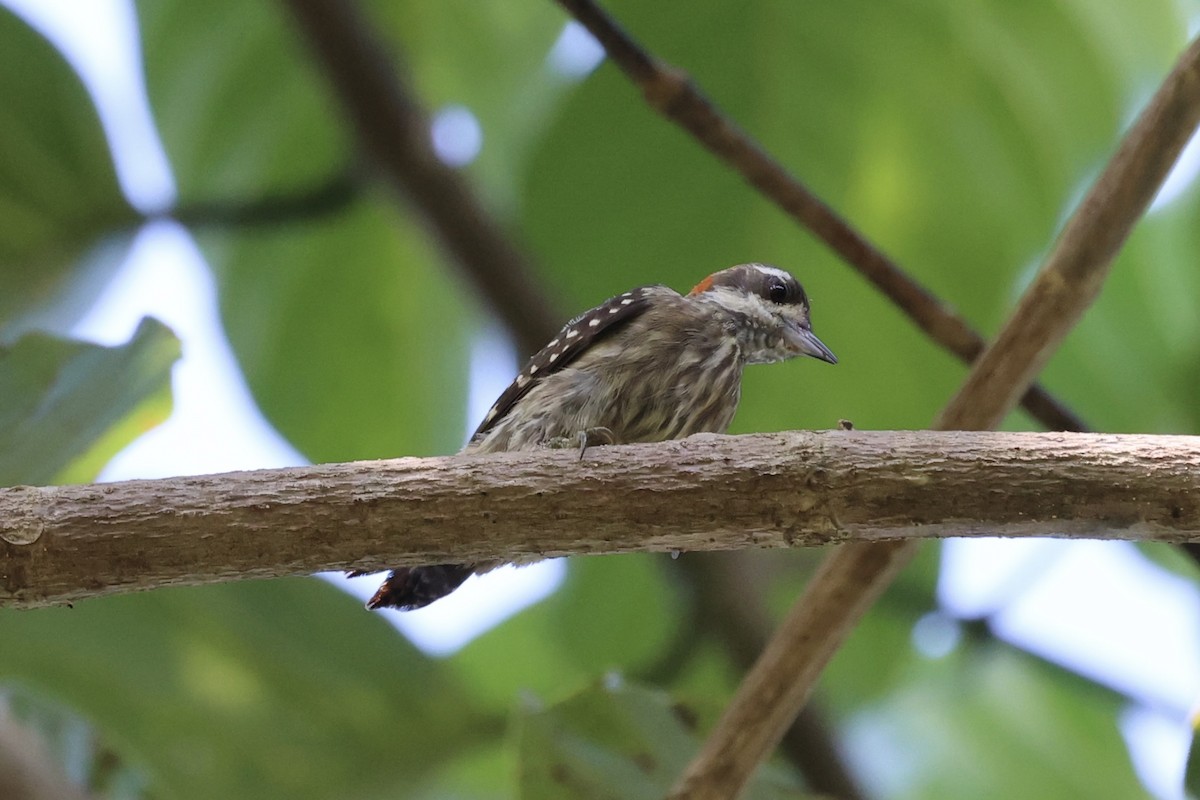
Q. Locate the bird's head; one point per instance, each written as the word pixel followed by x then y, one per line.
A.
pixel 768 310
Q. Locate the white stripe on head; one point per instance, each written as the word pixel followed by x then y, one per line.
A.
pixel 769 270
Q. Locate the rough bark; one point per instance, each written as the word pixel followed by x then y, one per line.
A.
pixel 704 493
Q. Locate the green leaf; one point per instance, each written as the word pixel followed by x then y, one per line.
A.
pixel 66 404
pixel 284 688
pixel 85 757
pixel 1133 363
pixel 58 191
pixel 353 339
pixel 491 58
pixel 483 773
pixel 1171 557
pixel 953 135
pixel 993 722
pixel 878 657
pixel 241 111
pixel 612 613
pixel 251 114
pixel 615 741
pixel 1191 775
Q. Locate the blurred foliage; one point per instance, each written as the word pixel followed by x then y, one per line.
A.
pixel 955 135
pixel 89 760
pixel 986 717
pixel 68 407
pixel 614 741
pixel 59 196
pixel 285 688
pixel 1191 778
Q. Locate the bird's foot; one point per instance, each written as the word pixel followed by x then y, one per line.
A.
pixel 589 437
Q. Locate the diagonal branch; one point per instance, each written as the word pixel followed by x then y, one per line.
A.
pixel 706 492
pixel 1083 255
pixel 393 131
pixel 851 578
pixel 728 597
pixel 672 93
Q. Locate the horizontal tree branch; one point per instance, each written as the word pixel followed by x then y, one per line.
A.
pixel 709 492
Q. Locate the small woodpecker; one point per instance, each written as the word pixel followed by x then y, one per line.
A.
pixel 644 366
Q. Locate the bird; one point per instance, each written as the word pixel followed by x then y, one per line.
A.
pixel 647 365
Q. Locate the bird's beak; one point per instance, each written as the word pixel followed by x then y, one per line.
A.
pixel 806 343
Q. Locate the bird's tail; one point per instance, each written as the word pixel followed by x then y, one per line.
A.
pixel 410 588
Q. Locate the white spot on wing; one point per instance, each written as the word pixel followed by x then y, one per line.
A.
pixel 571 334
pixel 522 380
pixel 613 310
pixel 533 368
pixel 593 323
pixel 626 302
pixel 554 357
pixel 553 343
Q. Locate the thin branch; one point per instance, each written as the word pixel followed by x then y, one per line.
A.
pixel 723 596
pixel 393 132
pixel 672 92
pixel 333 195
pixel 854 575
pixel 706 492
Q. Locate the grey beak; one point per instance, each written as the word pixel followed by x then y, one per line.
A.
pixel 806 343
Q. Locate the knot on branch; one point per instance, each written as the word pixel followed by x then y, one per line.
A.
pixel 25 519
pixel 667 88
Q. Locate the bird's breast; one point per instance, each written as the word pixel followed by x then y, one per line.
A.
pixel 693 390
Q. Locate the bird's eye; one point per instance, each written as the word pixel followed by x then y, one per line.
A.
pixel 777 292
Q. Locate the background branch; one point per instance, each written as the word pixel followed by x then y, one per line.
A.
pixel 671 92
pixel 707 492
pixel 332 195
pixel 393 132
pixel 727 591
pixel 854 575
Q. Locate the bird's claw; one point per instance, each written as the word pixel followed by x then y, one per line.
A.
pixel 589 437
pixel 594 437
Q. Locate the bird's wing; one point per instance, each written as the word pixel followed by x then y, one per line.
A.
pixel 574 338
